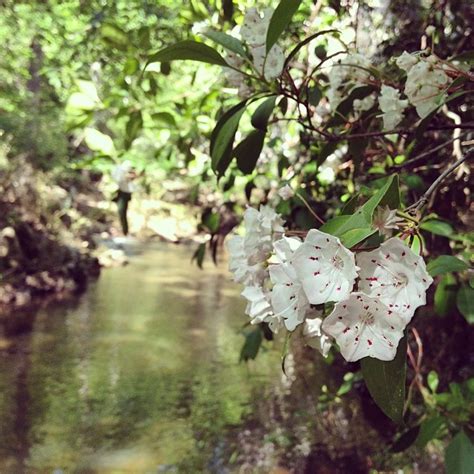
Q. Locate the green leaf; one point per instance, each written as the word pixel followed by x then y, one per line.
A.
pixel 165 117
pixel 115 36
pixel 211 220
pixel 314 95
pixel 188 50
pixel 228 42
pixel 253 341
pixel 465 303
pixel 446 264
pixel 438 227
pixel 263 112
pixel 98 141
pixel 199 254
pixel 459 455
pixel 222 138
pixel 445 294
pixel 433 381
pixel 248 151
pixel 133 128
pixel 280 19
pixel 357 227
pixel 431 428
pixel 386 382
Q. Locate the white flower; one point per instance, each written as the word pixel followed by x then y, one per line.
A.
pixel 396 276
pixel 247 254
pixel 426 85
pixel 385 220
pixel 406 61
pixel 286 192
pixel 392 107
pixel 200 27
pixel 288 298
pixel 254 27
pixel 361 105
pixel 274 63
pixel 345 75
pixel 234 78
pixel 259 308
pixel 363 326
pixel 325 268
pixel 239 265
pixel 315 337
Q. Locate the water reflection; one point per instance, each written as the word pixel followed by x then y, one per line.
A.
pixel 139 374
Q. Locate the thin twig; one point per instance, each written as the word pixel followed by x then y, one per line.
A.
pixel 420 157
pixel 310 209
pixel 426 196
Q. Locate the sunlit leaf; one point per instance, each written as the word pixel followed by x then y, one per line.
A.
pixel 438 227
pixel 98 141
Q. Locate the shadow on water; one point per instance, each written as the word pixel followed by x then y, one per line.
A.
pixel 138 374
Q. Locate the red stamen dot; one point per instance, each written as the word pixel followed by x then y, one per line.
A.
pixel 369 341
pixel 346 330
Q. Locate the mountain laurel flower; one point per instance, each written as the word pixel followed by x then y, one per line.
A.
pixel 239 265
pixel 259 308
pixel 406 61
pixel 346 74
pixel 426 85
pixel 255 27
pixel 386 221
pixel 392 107
pixel 325 268
pixel 315 337
pixel 396 276
pixel 364 327
pixel 288 297
pixel 361 105
pixel 286 192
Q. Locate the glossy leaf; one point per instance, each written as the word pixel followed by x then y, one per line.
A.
pixel 281 18
pixel 438 227
pixel 222 138
pixel 431 428
pixel 465 303
pixel 253 341
pixel 386 382
pixel 445 294
pixel 227 41
pixel 445 264
pixel 459 456
pixel 248 151
pixel 263 112
pixel 188 50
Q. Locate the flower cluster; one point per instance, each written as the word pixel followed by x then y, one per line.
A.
pixel 288 280
pixel 426 82
pixel 254 32
pixel 346 74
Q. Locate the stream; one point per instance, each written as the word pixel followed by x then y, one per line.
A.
pixel 139 374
